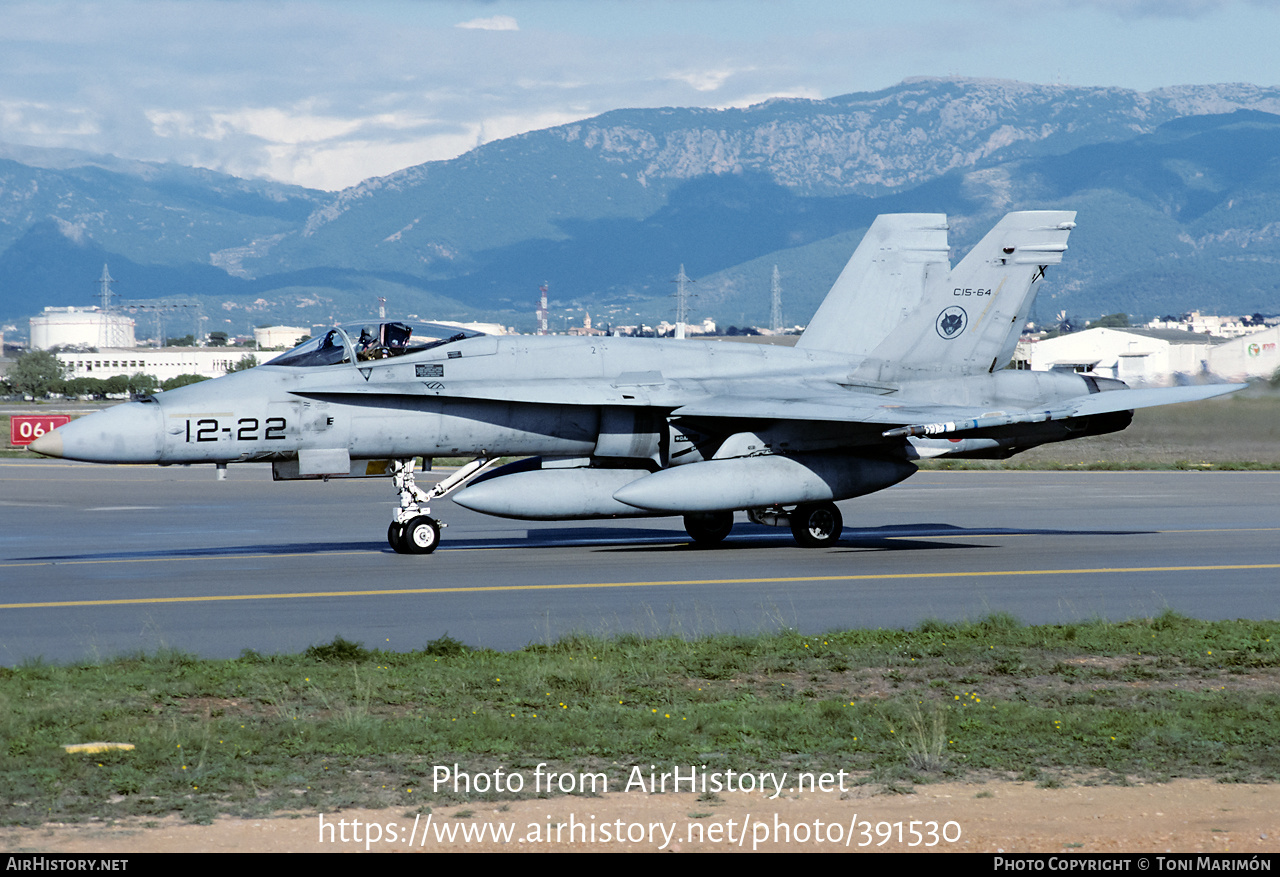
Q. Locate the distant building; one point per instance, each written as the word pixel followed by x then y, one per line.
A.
pixel 1155 357
pixel 586 327
pixel 81 327
pixel 1208 324
pixel 279 337
pixel 162 363
pixel 1256 355
pixel 1146 356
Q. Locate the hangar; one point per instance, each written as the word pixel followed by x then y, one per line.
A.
pixel 1157 357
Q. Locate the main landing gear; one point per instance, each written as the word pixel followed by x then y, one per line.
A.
pixel 413 530
pixel 816 524
pixel 813 524
pixel 708 528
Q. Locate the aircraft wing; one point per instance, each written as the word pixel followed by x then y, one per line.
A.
pixel 808 401
pixel 927 418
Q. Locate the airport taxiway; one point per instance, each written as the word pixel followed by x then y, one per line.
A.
pixel 98 561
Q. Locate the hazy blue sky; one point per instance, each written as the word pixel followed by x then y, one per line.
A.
pixel 326 94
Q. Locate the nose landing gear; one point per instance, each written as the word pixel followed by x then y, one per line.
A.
pixel 412 529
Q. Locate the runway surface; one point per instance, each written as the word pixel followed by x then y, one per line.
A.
pixel 97 561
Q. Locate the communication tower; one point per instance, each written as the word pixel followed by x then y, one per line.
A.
pixel 116 327
pixel 542 310
pixel 775 309
pixel 682 302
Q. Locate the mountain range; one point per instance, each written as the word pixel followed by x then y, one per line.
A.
pixel 1177 193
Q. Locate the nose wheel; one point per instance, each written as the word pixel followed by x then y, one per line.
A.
pixel 420 536
pixel 395 535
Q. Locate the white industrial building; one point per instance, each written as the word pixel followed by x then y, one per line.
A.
pixel 80 327
pixel 279 337
pixel 161 362
pixel 1256 355
pixel 1208 324
pixel 1155 357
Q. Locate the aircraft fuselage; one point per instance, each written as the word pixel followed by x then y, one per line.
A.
pixel 508 396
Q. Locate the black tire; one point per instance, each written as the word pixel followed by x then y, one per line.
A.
pixel 817 524
pixel 421 535
pixel 395 538
pixel 708 528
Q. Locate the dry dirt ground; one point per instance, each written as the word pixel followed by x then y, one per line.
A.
pixel 1180 817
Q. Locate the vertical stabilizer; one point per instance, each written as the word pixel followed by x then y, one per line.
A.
pixel 968 320
pixel 882 284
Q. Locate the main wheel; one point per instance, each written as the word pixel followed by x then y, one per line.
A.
pixel 816 525
pixel 395 538
pixel 421 535
pixel 708 528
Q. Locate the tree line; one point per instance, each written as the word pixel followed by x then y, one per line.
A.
pixel 40 374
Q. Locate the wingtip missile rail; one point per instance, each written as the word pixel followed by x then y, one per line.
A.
pixel 928 429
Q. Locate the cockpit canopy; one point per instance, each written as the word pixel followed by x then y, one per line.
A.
pixel 365 342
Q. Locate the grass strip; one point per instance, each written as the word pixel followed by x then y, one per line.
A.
pixel 343 726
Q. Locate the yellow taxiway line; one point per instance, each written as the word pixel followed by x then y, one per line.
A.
pixel 404 592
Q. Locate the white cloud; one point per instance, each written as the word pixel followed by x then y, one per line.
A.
pixel 703 80
pixel 496 22
pixel 277 125
pixel 498 127
pixel 326 93
pixel 750 100
pixel 338 165
pixel 61 125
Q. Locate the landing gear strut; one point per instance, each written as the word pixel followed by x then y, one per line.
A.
pixel 412 529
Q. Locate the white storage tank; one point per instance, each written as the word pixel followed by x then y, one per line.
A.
pixel 81 327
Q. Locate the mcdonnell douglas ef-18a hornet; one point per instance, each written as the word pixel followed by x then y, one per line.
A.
pixel 903 360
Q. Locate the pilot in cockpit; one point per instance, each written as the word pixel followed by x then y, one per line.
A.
pixel 395 337
pixel 389 339
pixel 367 346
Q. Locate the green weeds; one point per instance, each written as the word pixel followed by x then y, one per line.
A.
pixel 341 725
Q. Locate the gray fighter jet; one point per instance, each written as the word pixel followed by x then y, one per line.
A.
pixel 904 359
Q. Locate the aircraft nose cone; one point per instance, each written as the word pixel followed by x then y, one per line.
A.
pixel 49 444
pixel 128 433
